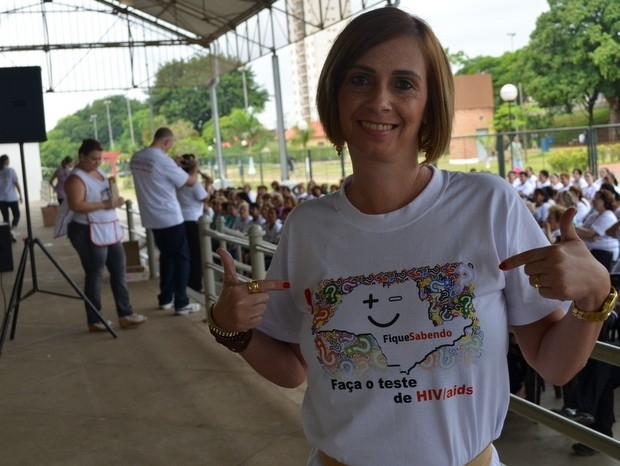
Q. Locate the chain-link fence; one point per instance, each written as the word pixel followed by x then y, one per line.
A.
pixel 557 150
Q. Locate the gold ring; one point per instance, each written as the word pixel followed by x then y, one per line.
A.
pixel 537 284
pixel 253 287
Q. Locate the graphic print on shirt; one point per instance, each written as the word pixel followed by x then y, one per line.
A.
pixel 369 326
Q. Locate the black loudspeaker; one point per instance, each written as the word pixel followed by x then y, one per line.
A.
pixel 6 254
pixel 21 105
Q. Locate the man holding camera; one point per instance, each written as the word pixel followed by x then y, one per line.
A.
pixel 157 177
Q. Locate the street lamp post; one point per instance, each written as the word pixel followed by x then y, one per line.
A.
pixel 302 126
pixel 508 93
pixel 107 109
pixel 93 118
pixel 130 120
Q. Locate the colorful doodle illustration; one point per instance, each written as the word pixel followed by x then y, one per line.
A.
pixel 453 335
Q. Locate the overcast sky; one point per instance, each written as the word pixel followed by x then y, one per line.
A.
pixel 476 27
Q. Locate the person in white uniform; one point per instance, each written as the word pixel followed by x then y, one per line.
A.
pixel 10 194
pixel 394 304
pixel 157 178
pixel 97 235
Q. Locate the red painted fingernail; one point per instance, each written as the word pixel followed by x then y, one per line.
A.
pixel 502 266
pixel 286 284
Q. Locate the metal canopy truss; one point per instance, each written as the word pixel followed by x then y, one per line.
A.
pixel 97 45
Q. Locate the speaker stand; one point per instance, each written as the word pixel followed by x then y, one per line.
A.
pixel 16 294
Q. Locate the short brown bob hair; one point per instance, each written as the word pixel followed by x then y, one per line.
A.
pixel 369 30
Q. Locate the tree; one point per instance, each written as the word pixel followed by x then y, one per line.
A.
pixel 573 55
pixel 182 90
pixel 237 127
pixel 57 147
pixel 187 140
pixel 503 69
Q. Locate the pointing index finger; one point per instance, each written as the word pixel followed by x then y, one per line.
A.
pixel 273 285
pixel 522 258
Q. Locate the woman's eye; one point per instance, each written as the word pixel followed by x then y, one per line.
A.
pixel 359 79
pixel 404 84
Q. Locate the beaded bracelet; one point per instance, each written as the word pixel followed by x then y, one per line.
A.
pixel 234 341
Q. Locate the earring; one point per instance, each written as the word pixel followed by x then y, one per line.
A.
pixel 339 149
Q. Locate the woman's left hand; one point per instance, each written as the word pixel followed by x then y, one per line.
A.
pixel 567 270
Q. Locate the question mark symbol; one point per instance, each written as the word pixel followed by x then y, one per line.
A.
pixel 467 304
pixel 331 291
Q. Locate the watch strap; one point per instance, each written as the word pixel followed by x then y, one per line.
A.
pixel 597 316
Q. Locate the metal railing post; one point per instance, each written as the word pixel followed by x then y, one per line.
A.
pixel 131 226
pixel 206 255
pixel 257 258
pixel 219 226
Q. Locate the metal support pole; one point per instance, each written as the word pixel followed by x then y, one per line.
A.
pixel 501 164
pixel 280 115
pixel 216 122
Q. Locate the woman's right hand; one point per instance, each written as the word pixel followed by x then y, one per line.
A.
pixel 238 309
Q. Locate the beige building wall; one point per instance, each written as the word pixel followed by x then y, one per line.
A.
pixel 473 118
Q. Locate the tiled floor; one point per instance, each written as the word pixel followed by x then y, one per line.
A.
pixel 164 394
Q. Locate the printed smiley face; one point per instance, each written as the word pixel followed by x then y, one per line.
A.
pixel 371 300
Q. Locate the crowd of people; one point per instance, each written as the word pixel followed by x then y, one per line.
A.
pixel 268 207
pixel 589 397
pixel 597 202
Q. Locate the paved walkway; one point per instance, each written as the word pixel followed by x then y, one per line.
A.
pixel 162 394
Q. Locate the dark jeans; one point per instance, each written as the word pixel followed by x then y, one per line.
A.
pixel 195 261
pixel 14 207
pixel 93 259
pixel 173 265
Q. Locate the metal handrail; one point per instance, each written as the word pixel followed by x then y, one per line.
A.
pixel 583 434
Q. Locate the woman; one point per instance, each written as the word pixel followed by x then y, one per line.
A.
pixel 10 194
pixel 541 205
pixel 394 304
pixel 60 176
pixel 551 226
pixel 96 235
pixel 593 230
pixel 193 200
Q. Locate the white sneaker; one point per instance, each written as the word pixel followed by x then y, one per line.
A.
pixel 98 327
pixel 131 320
pixel 189 309
pixel 167 305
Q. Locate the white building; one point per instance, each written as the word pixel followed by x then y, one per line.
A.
pixel 309 54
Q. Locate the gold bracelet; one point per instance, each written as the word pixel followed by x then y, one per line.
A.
pixel 234 341
pixel 217 329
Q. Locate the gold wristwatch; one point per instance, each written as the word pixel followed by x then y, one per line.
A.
pixel 599 316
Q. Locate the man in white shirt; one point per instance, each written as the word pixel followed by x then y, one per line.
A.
pixel 157 178
pixel 578 179
pixel 543 179
pixel 525 188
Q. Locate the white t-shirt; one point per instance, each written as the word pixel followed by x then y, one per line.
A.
pixel 191 199
pixel 157 177
pixel 402 319
pixel 8 178
pixel 600 222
